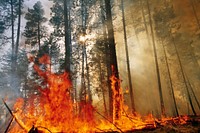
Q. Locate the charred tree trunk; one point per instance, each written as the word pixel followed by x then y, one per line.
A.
pixel 127 59
pixel 83 87
pixel 70 34
pixel 67 37
pixel 156 61
pixel 115 108
pixel 107 59
pixel 108 75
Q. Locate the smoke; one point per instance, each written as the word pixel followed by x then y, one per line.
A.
pixel 144 78
pixel 10 83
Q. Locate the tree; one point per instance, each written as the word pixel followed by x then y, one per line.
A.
pixel 161 19
pixel 170 38
pixel 34 31
pixel 18 29
pixel 67 37
pixel 61 22
pixel 156 60
pixel 127 58
pixel 85 76
pixel 10 10
pixel 19 77
pixel 115 102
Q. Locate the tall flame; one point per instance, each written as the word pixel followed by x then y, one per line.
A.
pixel 52 110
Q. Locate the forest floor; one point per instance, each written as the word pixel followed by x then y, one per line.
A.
pixel 172 129
pixel 191 126
pixel 169 129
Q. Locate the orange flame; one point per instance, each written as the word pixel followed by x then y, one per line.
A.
pixel 52 110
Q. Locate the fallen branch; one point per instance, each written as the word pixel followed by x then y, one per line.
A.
pixel 9 125
pixel 14 117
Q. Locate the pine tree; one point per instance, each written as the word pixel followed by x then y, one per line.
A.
pixel 34 30
pixel 127 58
pixel 61 23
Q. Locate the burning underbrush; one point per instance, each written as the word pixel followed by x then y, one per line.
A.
pixel 52 110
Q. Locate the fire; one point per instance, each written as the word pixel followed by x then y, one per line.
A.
pixel 53 110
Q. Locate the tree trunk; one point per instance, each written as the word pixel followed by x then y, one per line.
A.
pixel 127 59
pixel 195 13
pixel 184 76
pixel 88 78
pixel 67 37
pixel 83 88
pixel 13 66
pixel 156 61
pixel 107 59
pixel 102 88
pixel 170 80
pixel 191 88
pixel 13 33
pixel 70 39
pixel 18 30
pixel 38 30
pixel 84 20
pixel 116 110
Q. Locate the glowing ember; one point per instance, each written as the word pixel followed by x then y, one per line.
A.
pixel 53 110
